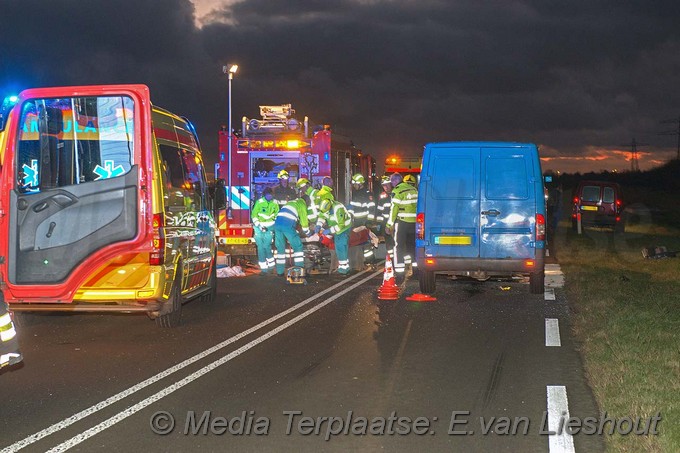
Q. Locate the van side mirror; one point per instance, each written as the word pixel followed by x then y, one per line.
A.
pixel 220 194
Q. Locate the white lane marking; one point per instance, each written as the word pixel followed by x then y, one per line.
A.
pixel 72 442
pixel 558 411
pixel 552 332
pixel 549 294
pixel 137 387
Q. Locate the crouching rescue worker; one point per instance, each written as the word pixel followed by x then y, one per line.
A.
pixel 263 215
pixel 402 224
pixel 338 225
pixel 285 230
pixel 9 345
pixel 304 187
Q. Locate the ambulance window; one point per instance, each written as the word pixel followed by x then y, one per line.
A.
pixel 176 192
pixel 66 141
pixel 193 175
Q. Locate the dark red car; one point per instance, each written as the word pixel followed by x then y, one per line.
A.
pixel 599 203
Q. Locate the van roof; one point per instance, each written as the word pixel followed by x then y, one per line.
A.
pixel 483 144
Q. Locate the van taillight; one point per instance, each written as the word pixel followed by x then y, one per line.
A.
pixel 157 255
pixel 575 200
pixel 420 225
pixel 540 227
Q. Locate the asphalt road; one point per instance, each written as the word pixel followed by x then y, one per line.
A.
pixel 321 367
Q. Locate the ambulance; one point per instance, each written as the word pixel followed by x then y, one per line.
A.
pixel 104 205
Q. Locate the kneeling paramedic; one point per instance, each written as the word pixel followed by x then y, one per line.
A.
pixel 339 224
pixel 285 229
pixel 263 215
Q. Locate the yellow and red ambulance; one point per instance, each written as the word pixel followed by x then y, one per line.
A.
pixel 104 204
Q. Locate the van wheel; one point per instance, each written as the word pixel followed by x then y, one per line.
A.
pixel 427 281
pixel 537 282
pixel 173 317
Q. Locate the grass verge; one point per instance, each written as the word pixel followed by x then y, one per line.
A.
pixel 626 316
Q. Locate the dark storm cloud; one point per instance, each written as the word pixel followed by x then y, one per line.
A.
pixel 389 74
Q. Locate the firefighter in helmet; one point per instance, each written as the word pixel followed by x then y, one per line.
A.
pixel 383 211
pixel 283 193
pixel 338 225
pixel 402 224
pixel 263 215
pixel 362 208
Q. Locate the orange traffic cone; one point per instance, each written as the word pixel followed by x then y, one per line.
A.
pixel 389 289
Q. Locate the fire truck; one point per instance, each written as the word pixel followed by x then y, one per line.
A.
pixel 265 146
pixel 403 165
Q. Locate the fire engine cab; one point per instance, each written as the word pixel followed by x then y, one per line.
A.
pixel 265 146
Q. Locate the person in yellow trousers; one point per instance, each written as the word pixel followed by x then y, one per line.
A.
pixel 9 345
pixel 402 225
pixel 263 216
pixel 338 225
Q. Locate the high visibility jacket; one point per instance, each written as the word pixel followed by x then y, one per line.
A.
pixel 383 207
pixel 404 201
pixel 264 213
pixel 338 218
pixel 283 195
pixel 291 213
pixel 362 206
pixel 313 207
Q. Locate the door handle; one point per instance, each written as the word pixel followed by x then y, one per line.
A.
pixel 492 212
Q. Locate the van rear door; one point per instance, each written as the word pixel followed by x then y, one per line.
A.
pixel 508 203
pixel 452 191
pixel 75 195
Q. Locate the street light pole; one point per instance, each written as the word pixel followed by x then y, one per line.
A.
pixel 230 70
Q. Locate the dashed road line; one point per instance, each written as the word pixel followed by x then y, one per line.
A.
pixel 558 412
pixel 552 332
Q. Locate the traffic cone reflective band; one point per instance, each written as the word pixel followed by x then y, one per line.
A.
pixel 418 297
pixel 389 289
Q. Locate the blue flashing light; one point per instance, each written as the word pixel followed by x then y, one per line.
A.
pixel 13 99
pixel 326 156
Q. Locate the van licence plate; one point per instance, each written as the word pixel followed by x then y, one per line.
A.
pixel 453 240
pixel 238 241
pixel 589 208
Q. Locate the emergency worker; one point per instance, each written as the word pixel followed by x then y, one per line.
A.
pixel 362 205
pixel 383 211
pixel 402 224
pixel 362 208
pixel 263 215
pixel 285 230
pixel 283 193
pixel 325 193
pixel 305 188
pixel 9 345
pixel 338 225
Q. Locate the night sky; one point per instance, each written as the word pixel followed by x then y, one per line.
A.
pixel 579 78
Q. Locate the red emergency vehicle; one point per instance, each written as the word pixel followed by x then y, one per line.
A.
pixel 403 165
pixel 265 146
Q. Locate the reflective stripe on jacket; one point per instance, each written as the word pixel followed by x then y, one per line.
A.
pixel 264 212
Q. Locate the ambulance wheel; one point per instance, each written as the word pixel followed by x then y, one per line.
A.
pixel 537 282
pixel 426 279
pixel 173 317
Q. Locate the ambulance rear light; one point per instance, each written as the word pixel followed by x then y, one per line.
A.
pixel 540 227
pixel 420 225
pixel 157 255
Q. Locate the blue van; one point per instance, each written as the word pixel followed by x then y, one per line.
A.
pixel 481 212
